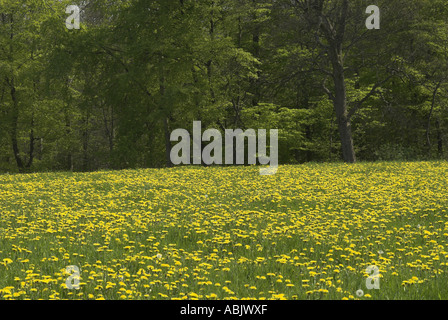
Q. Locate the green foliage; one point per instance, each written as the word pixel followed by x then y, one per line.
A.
pixel 109 94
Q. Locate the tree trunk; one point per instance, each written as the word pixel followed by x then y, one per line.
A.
pixel 428 125
pixel 340 107
pixel 14 127
pixel 169 164
pixel 68 131
pixel 166 127
pixel 31 144
pixel 85 144
pixel 345 133
pixel 335 36
pixel 439 138
pixel 256 52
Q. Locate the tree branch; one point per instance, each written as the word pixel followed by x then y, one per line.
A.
pixel 359 103
pixel 327 91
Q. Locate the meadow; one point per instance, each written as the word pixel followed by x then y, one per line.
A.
pixel 308 232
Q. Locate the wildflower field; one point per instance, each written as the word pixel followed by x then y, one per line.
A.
pixel 308 232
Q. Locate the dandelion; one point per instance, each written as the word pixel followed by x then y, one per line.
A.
pixel 100 221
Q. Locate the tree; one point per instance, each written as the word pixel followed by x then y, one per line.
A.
pixel 21 63
pixel 338 38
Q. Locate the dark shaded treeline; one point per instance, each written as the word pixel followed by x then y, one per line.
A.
pixel 109 95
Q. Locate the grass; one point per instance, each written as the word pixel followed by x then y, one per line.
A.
pixel 308 232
